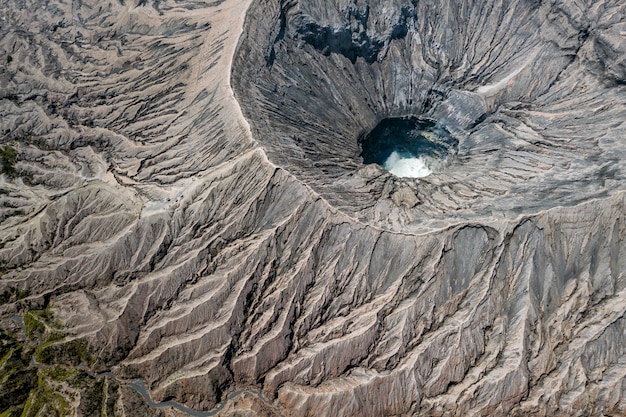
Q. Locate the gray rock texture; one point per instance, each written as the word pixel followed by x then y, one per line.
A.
pixel 188 197
pixel 511 80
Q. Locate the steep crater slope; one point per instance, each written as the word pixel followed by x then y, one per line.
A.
pixel 532 91
pixel 143 213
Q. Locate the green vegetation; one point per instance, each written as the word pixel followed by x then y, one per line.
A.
pixel 73 352
pixel 91 389
pixel 41 324
pixel 12 294
pixel 34 326
pixel 44 400
pixel 17 378
pixel 47 399
pixel 50 389
pixel 36 322
pixel 7 344
pixel 8 158
pixel 92 398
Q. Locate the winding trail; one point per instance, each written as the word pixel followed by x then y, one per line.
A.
pixel 139 385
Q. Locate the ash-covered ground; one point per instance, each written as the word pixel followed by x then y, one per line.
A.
pixel 184 204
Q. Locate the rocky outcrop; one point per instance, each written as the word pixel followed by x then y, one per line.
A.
pixel 264 267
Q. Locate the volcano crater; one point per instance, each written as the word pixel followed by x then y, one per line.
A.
pixel 527 104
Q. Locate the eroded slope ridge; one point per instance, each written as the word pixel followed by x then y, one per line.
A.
pixel 275 266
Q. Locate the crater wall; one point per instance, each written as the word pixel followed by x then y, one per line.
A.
pixel 237 264
pixel 523 87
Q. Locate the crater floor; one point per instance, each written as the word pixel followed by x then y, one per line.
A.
pixel 408 147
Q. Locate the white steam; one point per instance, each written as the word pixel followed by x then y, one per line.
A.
pixel 407 167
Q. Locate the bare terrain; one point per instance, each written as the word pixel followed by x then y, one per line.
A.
pixel 184 207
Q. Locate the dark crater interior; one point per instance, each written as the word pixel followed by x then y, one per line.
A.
pixel 353 39
pixel 407 137
pixel 532 92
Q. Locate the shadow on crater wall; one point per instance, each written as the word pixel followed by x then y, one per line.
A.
pixel 312 78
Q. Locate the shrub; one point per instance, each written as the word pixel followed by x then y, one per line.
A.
pixel 8 157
